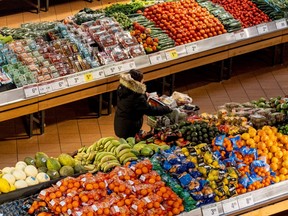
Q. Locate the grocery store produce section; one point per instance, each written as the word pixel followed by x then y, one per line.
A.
pixel 190 163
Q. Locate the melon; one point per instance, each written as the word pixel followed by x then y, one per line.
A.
pixel 10 178
pixel 31 181
pixel 20 184
pixel 19 174
pixel 30 170
pixel 42 177
pixel 20 165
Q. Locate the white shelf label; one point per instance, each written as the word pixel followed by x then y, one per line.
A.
pixel 262 29
pixel 210 210
pixel 75 80
pixel 98 74
pixel 280 24
pixel 111 70
pixel 230 206
pixel 44 88
pixel 171 54
pixel 245 201
pixel 240 35
pixel 129 65
pixel 60 84
pixel 31 91
pixel 191 48
pixel 156 59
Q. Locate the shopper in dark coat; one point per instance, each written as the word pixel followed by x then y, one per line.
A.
pixel 132 105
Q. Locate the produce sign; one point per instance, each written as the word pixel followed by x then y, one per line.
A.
pixel 130 190
pixel 245 11
pixel 184 21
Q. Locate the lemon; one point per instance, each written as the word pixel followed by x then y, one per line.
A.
pixel 4 186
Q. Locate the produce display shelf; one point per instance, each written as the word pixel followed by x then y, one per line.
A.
pixel 259 202
pixel 41 96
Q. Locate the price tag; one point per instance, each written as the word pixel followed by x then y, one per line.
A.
pixel 156 59
pixel 129 65
pixel 191 48
pixel 75 80
pixel 111 70
pixel 172 54
pixel 245 201
pixel 98 74
pixel 280 24
pixel 262 29
pixel 44 88
pixel 120 68
pixel 210 210
pixel 31 91
pixel 88 77
pixel 240 35
pixel 230 206
pixel 60 84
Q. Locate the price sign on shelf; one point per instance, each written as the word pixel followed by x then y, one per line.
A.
pixel 60 84
pixel 245 201
pixel 98 74
pixel 88 77
pixel 191 48
pixel 156 58
pixel 210 210
pixel 111 70
pixel 31 91
pixel 75 80
pixel 262 29
pixel 280 24
pixel 240 35
pixel 172 54
pixel 129 65
pixel 230 206
pixel 44 88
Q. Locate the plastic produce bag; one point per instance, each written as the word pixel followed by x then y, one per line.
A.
pixel 181 98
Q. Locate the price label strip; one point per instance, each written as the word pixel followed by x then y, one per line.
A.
pixel 75 80
pixel 230 206
pixel 262 29
pixel 172 54
pixel 156 59
pixel 129 65
pixel 60 84
pixel 191 48
pixel 210 210
pixel 44 88
pixel 280 24
pixel 111 70
pixel 88 77
pixel 246 201
pixel 31 91
pixel 241 35
pixel 98 74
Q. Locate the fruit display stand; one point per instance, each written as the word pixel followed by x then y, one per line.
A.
pixel 38 97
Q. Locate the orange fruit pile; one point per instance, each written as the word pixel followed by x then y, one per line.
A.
pixel 272 146
pixel 135 190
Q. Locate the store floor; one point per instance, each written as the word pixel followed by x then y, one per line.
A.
pixel 71 126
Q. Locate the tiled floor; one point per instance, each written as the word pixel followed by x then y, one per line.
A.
pixel 71 125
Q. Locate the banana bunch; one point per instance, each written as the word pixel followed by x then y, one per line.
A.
pixel 124 153
pixel 105 161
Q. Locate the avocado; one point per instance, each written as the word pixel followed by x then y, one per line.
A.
pixel 29 161
pixel 53 174
pixel 42 169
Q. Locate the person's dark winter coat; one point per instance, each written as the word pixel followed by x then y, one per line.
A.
pixel 131 106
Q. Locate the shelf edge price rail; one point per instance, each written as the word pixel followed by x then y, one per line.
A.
pixel 210 210
pixel 245 201
pixel 171 54
pixel 156 58
pixel 129 65
pixel 75 80
pixel 230 205
pixel 240 35
pixel 192 48
pixel 281 23
pixel 31 91
pixel 59 84
pixel 262 29
pixel 98 74
pixel 45 87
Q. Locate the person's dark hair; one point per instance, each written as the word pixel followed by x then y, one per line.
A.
pixel 136 75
